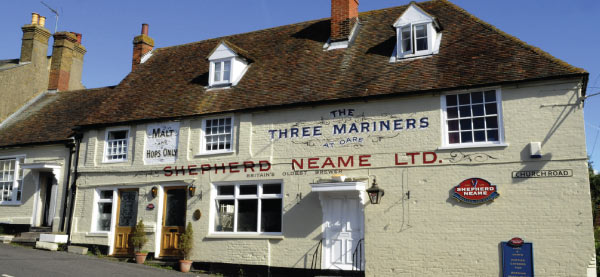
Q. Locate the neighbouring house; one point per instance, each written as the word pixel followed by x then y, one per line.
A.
pixel 413 140
pixel 35 144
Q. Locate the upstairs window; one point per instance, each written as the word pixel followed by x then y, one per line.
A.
pixel 418 34
pixel 116 145
pixel 11 181
pixel 222 72
pixel 473 119
pixel 217 135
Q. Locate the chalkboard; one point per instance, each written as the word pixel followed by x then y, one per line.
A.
pixel 517 261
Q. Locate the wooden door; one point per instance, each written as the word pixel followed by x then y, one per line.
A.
pixel 343 230
pixel 127 205
pixel 173 223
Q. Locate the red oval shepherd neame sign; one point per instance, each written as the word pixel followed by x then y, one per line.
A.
pixel 475 191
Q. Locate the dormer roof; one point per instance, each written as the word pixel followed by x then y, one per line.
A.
pixel 225 49
pixel 415 14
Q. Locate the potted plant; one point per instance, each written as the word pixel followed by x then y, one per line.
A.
pixel 186 243
pixel 138 239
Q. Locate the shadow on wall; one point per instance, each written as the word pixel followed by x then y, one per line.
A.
pixel 303 217
pixel 534 164
pixel 300 219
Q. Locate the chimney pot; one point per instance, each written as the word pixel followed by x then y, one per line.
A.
pixel 35 18
pixel 145 29
pixel 78 37
pixel 42 21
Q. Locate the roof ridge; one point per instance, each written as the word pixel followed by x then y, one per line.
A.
pixel 521 43
pixel 289 25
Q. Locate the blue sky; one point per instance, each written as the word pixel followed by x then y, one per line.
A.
pixel 567 30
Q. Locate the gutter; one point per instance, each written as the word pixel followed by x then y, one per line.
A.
pixel 78 136
pixel 70 146
pixel 335 100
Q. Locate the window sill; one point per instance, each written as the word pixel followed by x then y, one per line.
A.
pixel 114 161
pixel 97 234
pixel 467 146
pixel 243 236
pixel 202 154
pixel 11 204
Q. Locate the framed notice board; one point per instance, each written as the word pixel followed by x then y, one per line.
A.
pixel 517 259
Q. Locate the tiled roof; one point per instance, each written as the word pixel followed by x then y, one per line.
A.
pixel 51 119
pixel 290 67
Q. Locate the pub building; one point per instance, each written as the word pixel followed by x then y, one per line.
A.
pixel 395 142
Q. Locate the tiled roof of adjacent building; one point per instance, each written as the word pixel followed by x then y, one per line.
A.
pixel 52 118
pixel 290 66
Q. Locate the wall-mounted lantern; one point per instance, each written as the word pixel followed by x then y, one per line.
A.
pixel 154 191
pixel 375 193
pixel 191 190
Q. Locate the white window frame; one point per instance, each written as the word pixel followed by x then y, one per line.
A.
pixel 95 213
pixel 221 73
pixel 444 124
pixel 106 143
pixel 402 54
pixel 17 182
pixel 203 150
pixel 214 197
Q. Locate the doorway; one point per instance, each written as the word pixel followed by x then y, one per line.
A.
pixel 343 230
pixel 173 221
pixel 47 199
pixel 127 205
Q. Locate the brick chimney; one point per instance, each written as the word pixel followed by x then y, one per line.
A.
pixel 34 45
pixel 77 65
pixel 344 14
pixel 142 44
pixel 62 60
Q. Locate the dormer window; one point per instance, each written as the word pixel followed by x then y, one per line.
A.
pixel 222 72
pixel 227 65
pixel 418 34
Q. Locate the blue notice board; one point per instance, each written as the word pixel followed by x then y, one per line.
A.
pixel 517 261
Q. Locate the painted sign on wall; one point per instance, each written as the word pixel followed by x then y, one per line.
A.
pixel 161 143
pixel 475 191
pixel 517 258
pixel 543 173
pixel 347 128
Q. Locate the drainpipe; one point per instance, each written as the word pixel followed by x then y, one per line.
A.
pixel 69 145
pixel 78 136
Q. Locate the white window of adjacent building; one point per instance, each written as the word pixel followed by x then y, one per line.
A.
pixel 116 146
pixel 418 34
pixel 222 72
pixel 11 181
pixel 217 135
pixel 254 208
pixel 103 209
pixel 473 119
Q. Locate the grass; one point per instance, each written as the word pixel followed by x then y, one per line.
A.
pixel 167 267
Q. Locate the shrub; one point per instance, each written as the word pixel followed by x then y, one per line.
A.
pixel 138 238
pixel 186 242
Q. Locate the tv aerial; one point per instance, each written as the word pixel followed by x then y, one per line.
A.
pixel 55 13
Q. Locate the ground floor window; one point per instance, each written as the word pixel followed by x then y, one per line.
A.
pixel 104 205
pixel 11 181
pixel 248 207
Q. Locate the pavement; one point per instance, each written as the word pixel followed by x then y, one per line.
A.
pixel 19 261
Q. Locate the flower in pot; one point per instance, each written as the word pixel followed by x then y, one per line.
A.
pixel 186 243
pixel 138 239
